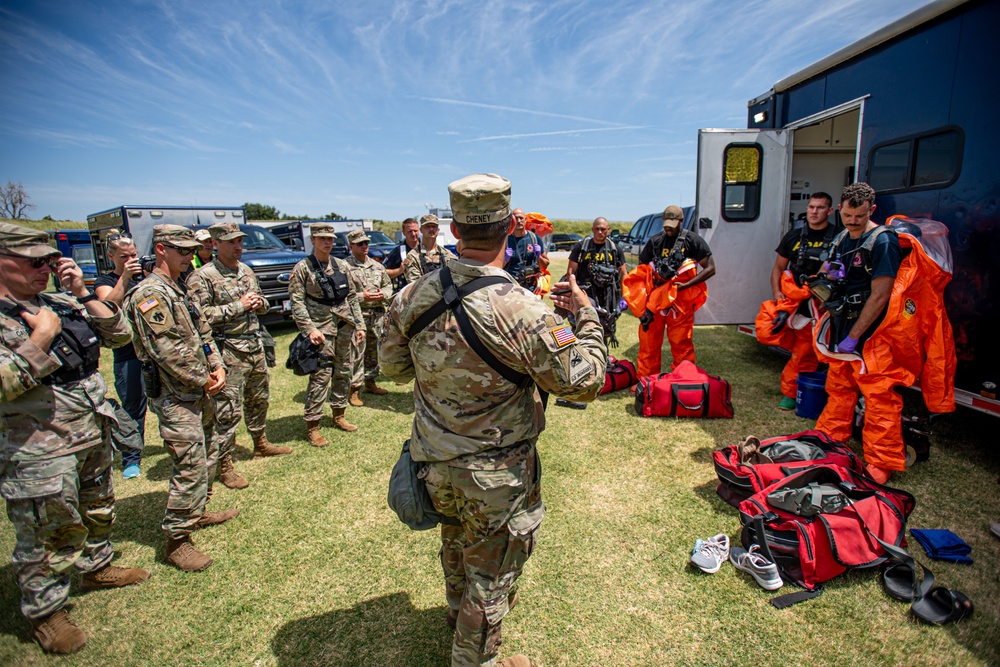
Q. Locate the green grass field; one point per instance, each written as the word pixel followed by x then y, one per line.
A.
pixel 318 571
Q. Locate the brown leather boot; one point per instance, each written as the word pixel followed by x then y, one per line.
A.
pixel 516 661
pixel 313 434
pixel 355 399
pixel 56 633
pixel 228 475
pixel 261 447
pixel 182 554
pixel 373 388
pixel 340 422
pixel 112 576
pixel 215 518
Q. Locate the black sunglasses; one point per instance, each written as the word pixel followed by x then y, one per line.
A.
pixel 36 262
pixel 183 252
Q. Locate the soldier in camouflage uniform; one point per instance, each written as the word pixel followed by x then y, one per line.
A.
pixel 332 322
pixel 428 256
pixel 55 446
pixel 186 370
pixel 229 298
pixel 477 430
pixel 376 294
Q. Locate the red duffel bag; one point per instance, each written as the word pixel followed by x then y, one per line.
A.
pixel 620 375
pixel 688 391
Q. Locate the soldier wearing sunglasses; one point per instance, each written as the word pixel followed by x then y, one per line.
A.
pixel 55 447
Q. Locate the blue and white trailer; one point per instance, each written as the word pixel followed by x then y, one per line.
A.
pixel 909 109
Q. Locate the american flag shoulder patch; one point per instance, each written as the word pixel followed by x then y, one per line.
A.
pixel 563 335
pixel 148 304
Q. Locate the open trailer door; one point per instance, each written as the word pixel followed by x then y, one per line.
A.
pixel 742 208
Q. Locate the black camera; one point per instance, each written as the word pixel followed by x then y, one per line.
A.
pixel 147 263
pixel 666 267
pixel 603 275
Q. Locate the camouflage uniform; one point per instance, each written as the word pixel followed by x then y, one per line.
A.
pixel 477 431
pixel 338 324
pixel 370 275
pixel 217 290
pixel 168 330
pixel 419 261
pixel 55 459
pixel 55 463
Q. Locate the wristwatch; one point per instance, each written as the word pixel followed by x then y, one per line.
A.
pixel 89 297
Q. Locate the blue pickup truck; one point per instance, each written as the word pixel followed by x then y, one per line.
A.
pixel 75 244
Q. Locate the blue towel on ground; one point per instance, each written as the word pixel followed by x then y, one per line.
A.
pixel 942 544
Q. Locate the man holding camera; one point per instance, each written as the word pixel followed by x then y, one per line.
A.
pixel 599 266
pixel 666 254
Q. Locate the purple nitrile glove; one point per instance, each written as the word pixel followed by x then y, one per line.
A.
pixel 836 270
pixel 538 250
pixel 507 254
pixel 847 345
pixel 622 304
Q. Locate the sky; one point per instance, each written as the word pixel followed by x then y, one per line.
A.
pixel 369 109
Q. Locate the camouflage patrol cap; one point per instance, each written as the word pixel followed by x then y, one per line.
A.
pixel 175 235
pixel 357 236
pixel 429 219
pixel 480 199
pixel 202 235
pixel 322 229
pixel 226 231
pixel 25 242
pixel 672 216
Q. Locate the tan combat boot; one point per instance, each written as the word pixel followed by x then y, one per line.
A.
pixel 228 475
pixel 56 633
pixel 355 399
pixel 373 388
pixel 313 434
pixel 340 422
pixel 182 554
pixel 112 576
pixel 261 447
pixel 215 518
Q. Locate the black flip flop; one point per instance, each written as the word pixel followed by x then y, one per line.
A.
pixel 899 581
pixel 942 605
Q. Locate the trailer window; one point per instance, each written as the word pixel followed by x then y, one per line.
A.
pixel 924 161
pixel 741 167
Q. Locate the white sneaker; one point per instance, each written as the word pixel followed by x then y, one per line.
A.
pixel 754 563
pixel 709 555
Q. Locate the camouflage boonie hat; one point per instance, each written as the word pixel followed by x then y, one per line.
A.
pixel 175 235
pixel 480 199
pixel 357 236
pixel 226 231
pixel 203 235
pixel 429 219
pixel 672 216
pixel 25 242
pixel 322 229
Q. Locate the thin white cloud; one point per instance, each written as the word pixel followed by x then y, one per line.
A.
pixel 552 133
pixel 533 112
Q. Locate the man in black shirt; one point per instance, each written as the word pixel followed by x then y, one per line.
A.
pixel 599 266
pixel 865 259
pixel 128 368
pixel 802 252
pixel 666 253
pixel 524 257
pixel 394 262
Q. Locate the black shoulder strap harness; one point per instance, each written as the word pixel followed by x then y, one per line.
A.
pixel 76 347
pixel 451 299
pixel 335 287
pixel 803 254
pixel 610 249
pixel 865 248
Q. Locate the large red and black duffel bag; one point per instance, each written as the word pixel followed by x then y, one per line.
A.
pixel 748 467
pixel 818 523
pixel 620 375
pixel 688 391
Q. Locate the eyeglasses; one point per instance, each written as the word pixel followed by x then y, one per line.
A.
pixel 361 243
pixel 36 262
pixel 183 252
pixel 117 236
